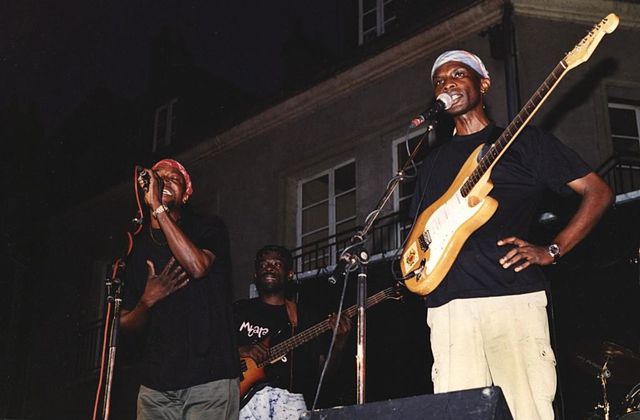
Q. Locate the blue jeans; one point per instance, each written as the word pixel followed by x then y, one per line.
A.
pixel 212 400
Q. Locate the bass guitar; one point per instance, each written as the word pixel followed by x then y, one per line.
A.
pixel 253 372
pixel 442 228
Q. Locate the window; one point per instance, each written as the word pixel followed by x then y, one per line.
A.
pixel 404 193
pixel 625 128
pixel 326 215
pixel 374 17
pixel 164 127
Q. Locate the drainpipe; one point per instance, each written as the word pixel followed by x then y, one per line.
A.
pixel 513 107
pixel 510 63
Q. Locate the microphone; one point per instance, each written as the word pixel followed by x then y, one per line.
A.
pixel 143 177
pixel 348 261
pixel 442 103
pixel 340 271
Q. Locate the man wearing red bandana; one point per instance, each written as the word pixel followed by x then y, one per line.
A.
pixel 177 291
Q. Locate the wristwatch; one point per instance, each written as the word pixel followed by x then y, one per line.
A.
pixel 554 251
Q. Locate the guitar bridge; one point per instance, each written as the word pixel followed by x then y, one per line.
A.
pixel 424 241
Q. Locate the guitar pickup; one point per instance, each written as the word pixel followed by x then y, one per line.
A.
pixel 424 241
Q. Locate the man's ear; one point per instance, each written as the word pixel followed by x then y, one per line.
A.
pixel 485 84
pixel 290 275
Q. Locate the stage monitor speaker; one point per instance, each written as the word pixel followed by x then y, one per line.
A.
pixel 477 404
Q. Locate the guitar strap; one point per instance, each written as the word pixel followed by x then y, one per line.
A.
pixel 493 136
pixel 292 313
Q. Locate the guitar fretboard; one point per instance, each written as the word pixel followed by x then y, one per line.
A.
pixel 279 350
pixel 513 129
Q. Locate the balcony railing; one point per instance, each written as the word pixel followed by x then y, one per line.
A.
pixel 89 340
pixel 386 236
pixel 622 173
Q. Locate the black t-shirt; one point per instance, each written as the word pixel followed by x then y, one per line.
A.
pixel 190 336
pixel 255 320
pixel 534 162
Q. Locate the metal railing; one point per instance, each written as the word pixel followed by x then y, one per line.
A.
pixel 387 235
pixel 89 340
pixel 622 173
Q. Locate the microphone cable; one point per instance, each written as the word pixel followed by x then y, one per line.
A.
pixel 333 340
pixel 138 221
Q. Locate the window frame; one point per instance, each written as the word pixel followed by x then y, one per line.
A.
pixel 168 137
pixel 404 225
pixel 615 104
pixel 381 21
pixel 331 205
pixel 396 164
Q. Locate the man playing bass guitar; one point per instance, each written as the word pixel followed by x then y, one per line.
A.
pixel 269 319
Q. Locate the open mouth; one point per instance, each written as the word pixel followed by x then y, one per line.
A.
pixel 167 192
pixel 269 277
pixel 455 97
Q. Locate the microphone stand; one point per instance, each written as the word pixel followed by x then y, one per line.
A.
pixel 112 319
pixel 355 257
pixel 114 288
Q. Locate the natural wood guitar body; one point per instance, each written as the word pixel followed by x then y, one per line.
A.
pixel 446 225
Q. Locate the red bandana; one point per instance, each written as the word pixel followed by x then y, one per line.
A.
pixel 175 164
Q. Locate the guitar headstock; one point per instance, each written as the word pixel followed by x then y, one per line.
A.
pixel 396 292
pixel 583 50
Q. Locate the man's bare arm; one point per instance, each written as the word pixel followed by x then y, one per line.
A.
pixel 596 198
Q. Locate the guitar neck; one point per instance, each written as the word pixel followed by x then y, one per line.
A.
pixel 510 133
pixel 276 352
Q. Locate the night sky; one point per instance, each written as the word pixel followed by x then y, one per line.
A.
pixel 54 53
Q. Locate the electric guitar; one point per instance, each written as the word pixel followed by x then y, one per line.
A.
pixel 253 372
pixel 442 229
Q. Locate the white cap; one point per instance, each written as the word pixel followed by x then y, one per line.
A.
pixel 464 57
